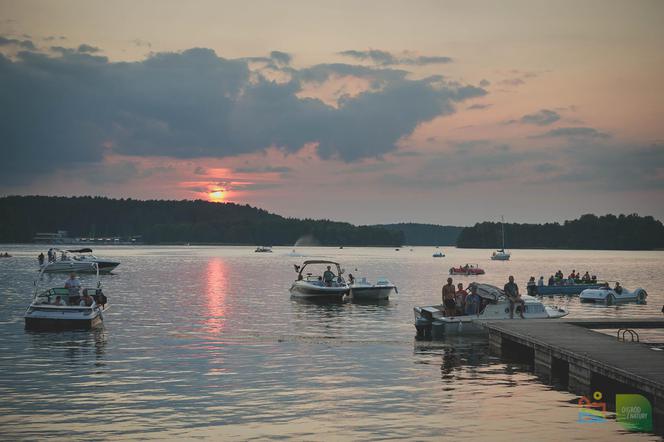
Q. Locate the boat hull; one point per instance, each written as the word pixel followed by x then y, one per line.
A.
pixel 309 291
pixel 573 289
pixel 45 324
pixel 371 293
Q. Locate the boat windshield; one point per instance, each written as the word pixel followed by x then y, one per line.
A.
pixel 61 296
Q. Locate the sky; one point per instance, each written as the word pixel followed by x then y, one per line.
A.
pixel 444 112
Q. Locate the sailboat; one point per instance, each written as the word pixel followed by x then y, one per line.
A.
pixel 501 254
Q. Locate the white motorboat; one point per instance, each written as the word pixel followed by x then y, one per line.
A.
pixel 501 254
pixel 431 322
pixel 439 255
pixel 79 261
pixel 319 285
pixel 263 249
pixel 59 308
pixel 610 296
pixel 363 290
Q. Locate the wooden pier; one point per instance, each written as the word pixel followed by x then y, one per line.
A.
pixel 587 360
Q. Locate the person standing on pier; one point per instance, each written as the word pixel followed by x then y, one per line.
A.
pixel 512 292
pixel 448 298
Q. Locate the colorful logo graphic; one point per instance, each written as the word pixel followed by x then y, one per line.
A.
pixel 592 412
pixel 634 412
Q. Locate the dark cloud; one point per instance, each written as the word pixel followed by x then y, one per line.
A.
pixel 485 83
pixel 265 169
pixel 478 106
pixel 54 38
pixel 74 107
pixel 23 44
pixel 200 170
pixel 542 117
pixel 281 58
pixel 385 58
pixel 87 49
pixel 574 132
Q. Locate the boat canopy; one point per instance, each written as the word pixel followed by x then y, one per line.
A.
pixel 488 291
pixel 85 250
pixel 317 261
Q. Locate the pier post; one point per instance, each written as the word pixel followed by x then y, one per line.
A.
pixel 495 343
pixel 580 379
pixel 543 363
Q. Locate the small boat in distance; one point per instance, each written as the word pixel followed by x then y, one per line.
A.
pixel 467 270
pixel 263 249
pixel 431 322
pixel 319 285
pixel 438 255
pixel 501 254
pixel 59 308
pixel 363 290
pixel 79 261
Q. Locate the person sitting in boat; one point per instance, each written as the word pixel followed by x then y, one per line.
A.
pixel 328 276
pixel 586 277
pixel 552 280
pixel 448 298
pixel 571 281
pixel 617 288
pixel 460 299
pixel 41 259
pixel 58 300
pixel 73 285
pixel 593 279
pixel 512 292
pixel 472 306
pixel 86 300
pixel 351 278
pixel 540 281
pixel 531 287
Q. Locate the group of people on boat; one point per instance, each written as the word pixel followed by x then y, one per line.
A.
pixel 572 278
pixel 73 286
pixel 458 302
pixel 5 255
pixel 52 255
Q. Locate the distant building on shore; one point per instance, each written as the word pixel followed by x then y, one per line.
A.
pixel 62 237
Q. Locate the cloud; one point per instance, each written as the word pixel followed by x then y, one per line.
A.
pixel 385 58
pixel 74 107
pixel 54 38
pixel 281 58
pixel 574 132
pixel 265 169
pixel 485 83
pixel 542 117
pixel 85 48
pixel 479 106
pixel 512 82
pixel 141 43
pixel 23 44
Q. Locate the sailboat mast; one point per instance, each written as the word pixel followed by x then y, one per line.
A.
pixel 502 226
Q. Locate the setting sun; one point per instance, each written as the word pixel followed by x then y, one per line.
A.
pixel 216 196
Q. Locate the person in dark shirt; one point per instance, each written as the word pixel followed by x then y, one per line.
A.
pixel 448 298
pixel 328 276
pixel 512 293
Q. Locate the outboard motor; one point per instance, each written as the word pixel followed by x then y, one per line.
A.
pixel 423 327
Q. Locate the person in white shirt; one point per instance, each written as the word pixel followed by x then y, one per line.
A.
pixel 73 285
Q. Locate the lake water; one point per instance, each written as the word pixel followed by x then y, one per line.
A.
pixel 205 342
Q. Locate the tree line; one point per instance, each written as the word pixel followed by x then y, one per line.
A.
pixel 162 221
pixel 608 232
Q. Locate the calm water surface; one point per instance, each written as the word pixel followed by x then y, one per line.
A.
pixel 204 342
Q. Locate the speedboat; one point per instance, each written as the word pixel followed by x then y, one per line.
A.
pixel 79 261
pixel 263 249
pixel 610 296
pixel 363 290
pixel 313 286
pixel 467 270
pixel 438 255
pixel 59 308
pixel 431 322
